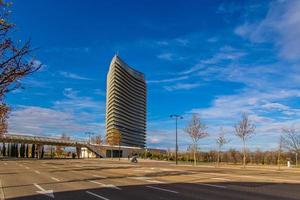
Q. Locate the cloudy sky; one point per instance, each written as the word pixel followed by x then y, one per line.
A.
pixel 214 58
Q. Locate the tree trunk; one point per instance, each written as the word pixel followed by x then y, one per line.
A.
pixel 4 150
pixel 195 161
pixel 195 151
pixel 278 160
pixel 218 159
pixel 244 154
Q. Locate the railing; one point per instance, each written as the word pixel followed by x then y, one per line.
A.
pixel 40 139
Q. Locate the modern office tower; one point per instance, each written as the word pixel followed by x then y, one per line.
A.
pixel 125 104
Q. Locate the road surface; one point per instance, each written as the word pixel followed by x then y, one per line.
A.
pixel 105 179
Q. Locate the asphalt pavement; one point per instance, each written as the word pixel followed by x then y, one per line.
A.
pixel 121 180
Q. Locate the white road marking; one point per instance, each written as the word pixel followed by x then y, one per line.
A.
pixel 221 179
pixel 106 185
pixel 36 171
pixel 154 181
pixel 148 179
pixel 96 195
pixel 140 178
pixel 211 185
pixel 162 189
pixel 48 193
pixel 98 176
pixel 56 179
pixel 1 192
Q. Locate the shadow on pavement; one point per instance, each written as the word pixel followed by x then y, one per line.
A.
pixel 182 191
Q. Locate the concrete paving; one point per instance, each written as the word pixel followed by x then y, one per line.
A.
pixel 113 179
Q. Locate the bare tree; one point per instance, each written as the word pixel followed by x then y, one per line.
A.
pixel 280 146
pixel 114 138
pixel 196 129
pixel 291 141
pixel 97 139
pixel 4 110
pixel 60 149
pixel 14 62
pixel 221 141
pixel 244 129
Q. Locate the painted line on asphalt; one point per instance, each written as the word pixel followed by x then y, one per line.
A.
pixel 96 195
pixel 42 191
pixel 36 171
pixel 56 179
pixel 106 185
pixel 212 185
pixel 154 181
pixel 38 187
pixel 147 179
pixel 162 189
pixel 98 176
pixel 1 192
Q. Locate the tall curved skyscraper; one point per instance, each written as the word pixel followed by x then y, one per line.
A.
pixel 126 104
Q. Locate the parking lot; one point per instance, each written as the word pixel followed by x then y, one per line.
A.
pixel 112 179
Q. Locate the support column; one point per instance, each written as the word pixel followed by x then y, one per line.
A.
pixel 78 151
pixel 33 151
pixel 38 151
pixel 42 151
pixel 27 151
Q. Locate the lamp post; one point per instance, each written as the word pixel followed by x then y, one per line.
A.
pixel 89 134
pixel 176 117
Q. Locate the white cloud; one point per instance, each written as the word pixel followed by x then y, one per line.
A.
pixel 182 41
pixel 192 69
pixel 280 26
pixel 166 56
pixel 275 106
pixel 251 101
pixel 182 86
pixel 73 115
pixel 73 76
pixel 225 53
pixel 168 80
pixel 76 102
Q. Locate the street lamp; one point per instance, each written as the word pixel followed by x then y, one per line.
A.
pixel 89 134
pixel 176 148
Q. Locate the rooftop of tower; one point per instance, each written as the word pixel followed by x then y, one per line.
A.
pixel 130 70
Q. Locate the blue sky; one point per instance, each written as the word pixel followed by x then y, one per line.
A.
pixel 214 58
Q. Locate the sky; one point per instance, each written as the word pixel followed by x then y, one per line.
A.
pixel 214 58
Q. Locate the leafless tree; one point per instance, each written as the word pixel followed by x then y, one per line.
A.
pixel 244 129
pixel 4 110
pixel 15 62
pixel 221 141
pixel 196 129
pixel 60 149
pixel 280 146
pixel 114 138
pixel 97 139
pixel 291 141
